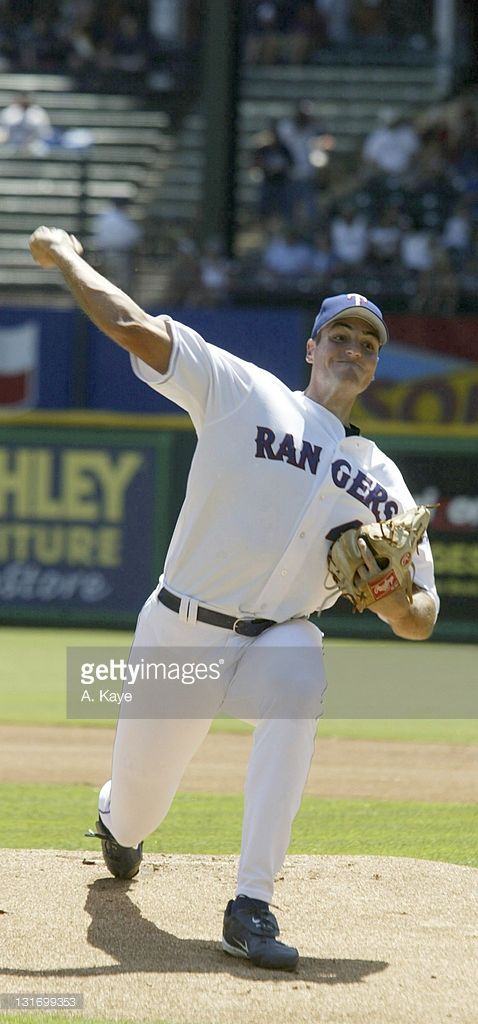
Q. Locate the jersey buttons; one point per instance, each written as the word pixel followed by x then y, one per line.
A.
pixel 284 572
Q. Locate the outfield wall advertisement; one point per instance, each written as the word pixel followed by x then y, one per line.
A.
pixel 79 538
pixel 68 524
pixel 88 505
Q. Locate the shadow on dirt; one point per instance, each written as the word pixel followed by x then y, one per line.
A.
pixel 118 929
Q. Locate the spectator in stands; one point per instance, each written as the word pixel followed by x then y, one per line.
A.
pixel 415 247
pixel 384 237
pixel 462 154
pixel 306 33
pixel 306 143
pixel 335 15
pixel 116 238
pixel 184 273
pixel 463 140
pixel 81 53
pixel 457 233
pixel 286 252
pixel 39 47
pixel 126 48
pixel 349 238
pixel 410 24
pixel 74 14
pixel 266 22
pixel 7 36
pixel 431 158
pixel 273 160
pixel 76 27
pixel 198 276
pixel 390 147
pixel 322 262
pixel 436 286
pixel 26 126
pixel 431 193
pixel 369 22
pixel 214 275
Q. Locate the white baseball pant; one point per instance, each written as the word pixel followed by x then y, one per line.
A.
pixel 151 754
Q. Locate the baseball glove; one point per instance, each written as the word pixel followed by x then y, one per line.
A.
pixel 393 544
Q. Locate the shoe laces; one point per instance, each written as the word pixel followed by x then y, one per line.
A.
pixel 264 920
pixel 112 846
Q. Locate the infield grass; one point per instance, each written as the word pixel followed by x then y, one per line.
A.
pixel 33 682
pixel 56 817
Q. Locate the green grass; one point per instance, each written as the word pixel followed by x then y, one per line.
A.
pixel 33 674
pixel 33 688
pixel 46 816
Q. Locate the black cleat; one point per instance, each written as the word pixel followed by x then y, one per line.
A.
pixel 251 930
pixel 122 861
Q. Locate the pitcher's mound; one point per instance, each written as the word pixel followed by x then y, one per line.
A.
pixel 382 940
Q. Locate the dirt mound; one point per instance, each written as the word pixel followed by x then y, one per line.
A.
pixel 382 940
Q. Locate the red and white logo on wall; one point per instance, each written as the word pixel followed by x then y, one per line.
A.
pixel 19 352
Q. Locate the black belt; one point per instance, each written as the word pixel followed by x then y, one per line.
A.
pixel 245 627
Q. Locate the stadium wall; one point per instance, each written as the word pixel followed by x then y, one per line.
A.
pixel 428 374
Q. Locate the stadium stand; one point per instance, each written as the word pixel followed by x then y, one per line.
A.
pixel 110 141
pixel 103 146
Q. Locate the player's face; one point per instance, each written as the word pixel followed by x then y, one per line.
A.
pixel 345 357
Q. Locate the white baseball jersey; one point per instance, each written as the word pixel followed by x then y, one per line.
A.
pixel 273 476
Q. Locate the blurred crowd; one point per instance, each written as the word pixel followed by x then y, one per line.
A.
pixel 296 31
pixel 404 226
pixel 403 223
pixel 63 35
pixel 85 38
pixel 122 38
pixel 94 42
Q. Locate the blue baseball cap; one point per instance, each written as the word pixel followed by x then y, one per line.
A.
pixel 353 305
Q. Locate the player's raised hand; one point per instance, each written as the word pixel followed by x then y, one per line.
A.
pixel 44 242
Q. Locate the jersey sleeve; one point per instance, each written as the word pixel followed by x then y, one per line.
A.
pixel 206 381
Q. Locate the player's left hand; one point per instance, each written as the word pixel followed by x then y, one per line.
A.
pixel 395 604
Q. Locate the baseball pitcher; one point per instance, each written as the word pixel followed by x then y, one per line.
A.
pixel 287 506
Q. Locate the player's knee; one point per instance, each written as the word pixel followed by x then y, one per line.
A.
pixel 299 697
pixel 308 694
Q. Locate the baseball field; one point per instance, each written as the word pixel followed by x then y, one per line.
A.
pixel 379 890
